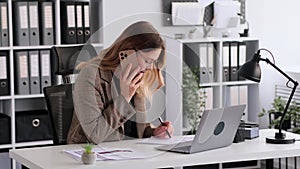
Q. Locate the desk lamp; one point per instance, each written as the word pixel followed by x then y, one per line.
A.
pixel 251 70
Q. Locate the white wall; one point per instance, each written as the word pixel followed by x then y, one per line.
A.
pixel 119 14
pixel 276 24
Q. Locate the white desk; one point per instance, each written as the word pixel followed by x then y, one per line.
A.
pixel 256 149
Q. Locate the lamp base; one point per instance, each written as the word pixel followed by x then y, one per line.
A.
pixel 274 140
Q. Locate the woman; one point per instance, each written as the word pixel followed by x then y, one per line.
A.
pixel 110 97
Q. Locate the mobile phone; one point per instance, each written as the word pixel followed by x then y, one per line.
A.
pixel 127 57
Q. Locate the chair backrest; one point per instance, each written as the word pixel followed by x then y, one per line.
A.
pixel 59 101
pixel 59 98
pixel 66 58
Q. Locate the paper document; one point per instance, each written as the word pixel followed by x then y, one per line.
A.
pixel 104 153
pixel 167 141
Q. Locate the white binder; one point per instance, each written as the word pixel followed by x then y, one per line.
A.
pixel 225 53
pixel 233 61
pixel 204 71
pixel 210 62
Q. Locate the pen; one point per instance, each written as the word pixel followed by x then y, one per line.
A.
pixel 162 123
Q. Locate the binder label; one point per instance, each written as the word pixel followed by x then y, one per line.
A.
pixel 34 65
pixel 79 16
pixel 71 16
pixel 4 17
pixel 48 17
pixel 33 17
pixel 23 17
pixel 23 66
pixel 86 16
pixel 3 68
pixel 45 65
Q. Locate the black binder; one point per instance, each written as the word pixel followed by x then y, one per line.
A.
pixel 86 21
pixel 68 22
pixel 79 22
pixel 4 74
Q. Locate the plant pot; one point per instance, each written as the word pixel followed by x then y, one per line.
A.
pixel 286 123
pixel 88 158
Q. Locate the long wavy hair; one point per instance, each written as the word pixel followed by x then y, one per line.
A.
pixel 140 36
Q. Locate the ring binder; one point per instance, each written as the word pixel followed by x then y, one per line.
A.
pixel 79 23
pixel 22 85
pixel 86 21
pixel 34 78
pixel 68 23
pixel 4 74
pixel 45 67
pixel 34 34
pixel 4 24
pixel 21 36
pixel 47 23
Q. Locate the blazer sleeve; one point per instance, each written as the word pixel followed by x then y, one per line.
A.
pixel 100 121
pixel 144 128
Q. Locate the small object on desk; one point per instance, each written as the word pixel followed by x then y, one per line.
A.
pixel 179 36
pixel 163 124
pixel 240 133
pixel 251 130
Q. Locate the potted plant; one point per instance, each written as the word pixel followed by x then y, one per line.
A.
pixel 290 119
pixel 192 33
pixel 193 97
pixel 88 156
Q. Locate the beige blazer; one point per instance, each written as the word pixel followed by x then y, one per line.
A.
pixel 100 112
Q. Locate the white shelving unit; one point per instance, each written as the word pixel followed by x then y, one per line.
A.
pixel 220 88
pixel 14 102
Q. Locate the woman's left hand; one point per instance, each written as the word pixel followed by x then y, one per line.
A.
pixel 160 131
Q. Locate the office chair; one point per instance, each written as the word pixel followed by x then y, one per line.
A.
pixel 60 106
pixel 59 99
pixel 66 58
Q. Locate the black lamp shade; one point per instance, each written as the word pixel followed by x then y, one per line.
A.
pixel 251 69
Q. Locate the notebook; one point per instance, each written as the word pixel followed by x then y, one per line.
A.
pixel 216 129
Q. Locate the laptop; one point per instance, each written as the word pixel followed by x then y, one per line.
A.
pixel 216 129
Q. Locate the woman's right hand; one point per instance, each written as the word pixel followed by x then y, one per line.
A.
pixel 129 82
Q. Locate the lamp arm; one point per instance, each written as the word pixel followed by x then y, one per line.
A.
pixel 291 95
